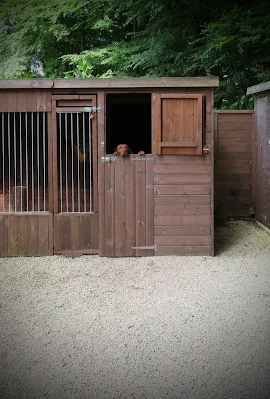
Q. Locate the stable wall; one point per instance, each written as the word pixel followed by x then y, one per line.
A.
pixel 182 216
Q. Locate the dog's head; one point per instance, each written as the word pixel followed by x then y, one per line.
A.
pixel 122 150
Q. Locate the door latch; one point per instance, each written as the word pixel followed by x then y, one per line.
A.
pixel 108 159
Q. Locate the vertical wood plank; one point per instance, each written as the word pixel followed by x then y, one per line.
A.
pixel 101 170
pixel 41 101
pixel 198 128
pixel 177 119
pixel 31 101
pixel 33 245
pixel 149 207
pixel 23 236
pixel 3 101
pixel 64 230
pixel 120 206
pixel 21 101
pixel 212 156
pixel 93 220
pixel 56 233
pixel 156 123
pixel 85 231
pixel 3 235
pixel 74 231
pixel 48 101
pixel 12 235
pixel 109 209
pixel 140 207
pixel 43 235
pixel 50 238
pixel 11 98
pixel 167 123
pixel 130 207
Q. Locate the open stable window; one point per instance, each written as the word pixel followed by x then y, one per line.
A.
pixel 128 121
pixel 177 123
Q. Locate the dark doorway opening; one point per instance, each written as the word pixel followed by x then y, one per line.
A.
pixel 128 121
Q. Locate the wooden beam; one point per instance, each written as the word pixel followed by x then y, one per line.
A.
pixel 26 83
pixel 123 83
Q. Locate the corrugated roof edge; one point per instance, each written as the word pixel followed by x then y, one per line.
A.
pixel 261 87
pixel 109 83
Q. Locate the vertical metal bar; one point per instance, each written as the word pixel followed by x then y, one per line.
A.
pixel 66 161
pixel 90 160
pixel 15 161
pixel 78 164
pixel 60 161
pixel 21 156
pixel 26 159
pixel 9 177
pixel 32 136
pixel 72 177
pixel 38 133
pixel 44 161
pixel 3 158
pixel 84 150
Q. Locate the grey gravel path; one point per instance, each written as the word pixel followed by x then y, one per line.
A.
pixel 163 327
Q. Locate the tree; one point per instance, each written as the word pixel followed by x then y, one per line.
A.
pixel 92 38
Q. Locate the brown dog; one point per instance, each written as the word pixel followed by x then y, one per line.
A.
pixel 122 150
pixel 141 153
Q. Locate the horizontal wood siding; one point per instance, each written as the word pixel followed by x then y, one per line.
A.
pixel 183 199
pixel 26 234
pixel 76 233
pixel 233 163
pixel 25 100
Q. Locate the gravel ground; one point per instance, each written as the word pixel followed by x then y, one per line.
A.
pixel 161 327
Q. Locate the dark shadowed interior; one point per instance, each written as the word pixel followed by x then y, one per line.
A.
pixel 128 121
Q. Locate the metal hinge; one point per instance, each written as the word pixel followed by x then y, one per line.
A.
pixel 154 247
pixel 108 159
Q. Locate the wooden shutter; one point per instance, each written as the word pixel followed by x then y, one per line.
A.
pixel 177 124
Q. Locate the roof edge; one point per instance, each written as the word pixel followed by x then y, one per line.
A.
pixel 261 87
pixel 110 83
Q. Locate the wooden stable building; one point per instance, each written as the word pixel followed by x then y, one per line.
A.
pixel 261 151
pixel 64 191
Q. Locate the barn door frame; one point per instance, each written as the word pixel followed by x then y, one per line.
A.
pixel 75 231
pixel 136 243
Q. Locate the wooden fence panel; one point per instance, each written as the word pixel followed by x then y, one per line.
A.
pixel 26 234
pixel 233 163
pixel 76 233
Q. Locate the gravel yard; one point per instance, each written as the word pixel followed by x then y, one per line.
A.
pixel 161 327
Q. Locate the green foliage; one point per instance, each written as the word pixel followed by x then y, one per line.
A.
pixel 117 38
